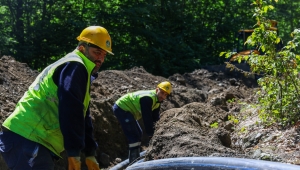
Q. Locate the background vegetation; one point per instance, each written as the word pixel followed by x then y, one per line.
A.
pixel 279 93
pixel 163 36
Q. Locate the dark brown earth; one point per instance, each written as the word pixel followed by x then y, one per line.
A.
pixel 194 119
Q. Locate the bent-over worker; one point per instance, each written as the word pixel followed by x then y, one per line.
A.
pixel 134 106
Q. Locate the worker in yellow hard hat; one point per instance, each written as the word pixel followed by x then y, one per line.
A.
pixel 134 106
pixel 53 115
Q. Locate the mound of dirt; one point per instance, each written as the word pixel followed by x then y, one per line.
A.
pixel 186 132
pixel 194 119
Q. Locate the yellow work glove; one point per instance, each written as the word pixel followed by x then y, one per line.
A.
pixel 92 163
pixel 74 163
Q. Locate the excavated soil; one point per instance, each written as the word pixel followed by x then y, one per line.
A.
pixel 194 119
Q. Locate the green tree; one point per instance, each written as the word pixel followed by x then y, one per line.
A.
pixel 287 13
pixel 7 41
pixel 279 94
pixel 165 37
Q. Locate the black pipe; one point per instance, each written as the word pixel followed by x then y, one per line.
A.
pixel 211 163
pixel 125 163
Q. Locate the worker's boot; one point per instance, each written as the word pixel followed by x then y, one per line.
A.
pixel 134 153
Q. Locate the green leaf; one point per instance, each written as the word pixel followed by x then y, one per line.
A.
pixel 222 53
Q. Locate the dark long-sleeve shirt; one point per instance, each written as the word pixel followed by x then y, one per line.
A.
pixel 71 79
pixel 149 117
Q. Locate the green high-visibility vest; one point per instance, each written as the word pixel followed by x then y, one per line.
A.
pixel 36 114
pixel 131 102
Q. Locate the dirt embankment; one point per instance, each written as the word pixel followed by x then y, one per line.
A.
pixel 194 120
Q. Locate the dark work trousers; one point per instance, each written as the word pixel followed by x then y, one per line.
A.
pixel 130 126
pixel 20 153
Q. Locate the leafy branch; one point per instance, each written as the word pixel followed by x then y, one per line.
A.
pixel 279 97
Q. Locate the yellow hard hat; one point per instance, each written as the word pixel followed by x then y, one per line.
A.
pixel 98 36
pixel 165 86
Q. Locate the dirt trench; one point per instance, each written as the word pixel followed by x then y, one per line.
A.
pixel 194 119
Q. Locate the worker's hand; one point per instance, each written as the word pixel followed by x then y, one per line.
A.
pixel 74 163
pixel 92 163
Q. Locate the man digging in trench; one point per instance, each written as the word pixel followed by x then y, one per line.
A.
pixel 134 106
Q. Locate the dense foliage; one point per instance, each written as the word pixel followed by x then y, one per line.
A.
pixel 279 94
pixel 165 37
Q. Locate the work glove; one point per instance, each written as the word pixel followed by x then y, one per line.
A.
pixel 74 163
pixel 92 163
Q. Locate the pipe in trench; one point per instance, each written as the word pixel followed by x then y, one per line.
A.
pixel 204 163
pixel 211 163
pixel 125 163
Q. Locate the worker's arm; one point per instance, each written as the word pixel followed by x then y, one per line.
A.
pixel 155 114
pixel 147 114
pixel 90 143
pixel 71 79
